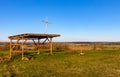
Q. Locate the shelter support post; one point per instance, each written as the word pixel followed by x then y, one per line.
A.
pixel 11 48
pixel 23 42
pixel 21 39
pixel 22 47
pixel 14 45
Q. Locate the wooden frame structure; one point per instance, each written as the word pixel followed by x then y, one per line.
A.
pixel 30 36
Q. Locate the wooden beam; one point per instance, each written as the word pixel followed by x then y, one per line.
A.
pixel 15 43
pixel 34 37
pixel 45 40
pixel 35 44
pixel 26 40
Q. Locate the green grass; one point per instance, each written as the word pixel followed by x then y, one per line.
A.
pixel 102 63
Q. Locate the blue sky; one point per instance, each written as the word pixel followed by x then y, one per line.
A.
pixel 75 20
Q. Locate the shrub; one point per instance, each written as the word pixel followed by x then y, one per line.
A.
pixel 61 46
pixel 5 46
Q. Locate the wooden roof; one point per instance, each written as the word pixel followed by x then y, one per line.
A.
pixel 33 35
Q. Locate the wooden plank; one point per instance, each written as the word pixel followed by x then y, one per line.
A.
pixel 34 43
pixel 31 36
pixel 45 40
pixel 15 43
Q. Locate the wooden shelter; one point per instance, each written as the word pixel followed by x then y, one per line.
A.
pixel 15 41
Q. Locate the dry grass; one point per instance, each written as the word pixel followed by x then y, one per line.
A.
pixel 100 63
pixel 65 62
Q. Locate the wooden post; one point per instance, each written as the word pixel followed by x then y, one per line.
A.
pixel 81 51
pixel 11 48
pixel 38 46
pixel 16 43
pixel 22 48
pixel 50 46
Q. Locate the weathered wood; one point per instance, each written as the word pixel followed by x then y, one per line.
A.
pixel 10 48
pixel 26 40
pixel 22 48
pixel 31 36
pixel 35 44
pixel 45 40
pixel 16 43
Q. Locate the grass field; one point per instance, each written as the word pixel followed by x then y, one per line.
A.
pixel 99 63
